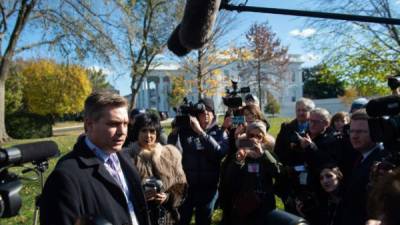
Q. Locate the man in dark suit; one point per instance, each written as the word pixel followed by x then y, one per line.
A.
pixel 288 150
pixel 357 188
pixel 96 178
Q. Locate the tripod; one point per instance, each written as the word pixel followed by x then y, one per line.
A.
pixel 39 169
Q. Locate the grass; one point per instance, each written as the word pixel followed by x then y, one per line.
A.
pixel 65 142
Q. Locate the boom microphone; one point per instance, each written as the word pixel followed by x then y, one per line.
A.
pixel 385 106
pixel 33 152
pixel 196 26
pixel 175 45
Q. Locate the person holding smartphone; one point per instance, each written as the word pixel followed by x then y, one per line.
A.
pixel 247 184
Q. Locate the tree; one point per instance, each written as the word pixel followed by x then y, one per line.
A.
pixel 73 28
pixel 65 88
pixel 143 31
pixel 205 64
pixel 272 106
pixel 98 79
pixel 265 49
pixel 362 54
pixel 178 91
pixel 14 90
pixel 319 82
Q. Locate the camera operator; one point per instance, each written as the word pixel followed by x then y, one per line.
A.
pixel 203 146
pixel 357 186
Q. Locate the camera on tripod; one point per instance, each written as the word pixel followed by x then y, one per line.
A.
pixel 36 153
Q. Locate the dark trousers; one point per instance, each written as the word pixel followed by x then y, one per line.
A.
pixel 202 202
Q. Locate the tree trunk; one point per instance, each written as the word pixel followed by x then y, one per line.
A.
pixel 133 99
pixel 259 83
pixel 23 15
pixel 3 133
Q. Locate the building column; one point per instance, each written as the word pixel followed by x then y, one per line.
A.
pixel 161 94
pixel 146 93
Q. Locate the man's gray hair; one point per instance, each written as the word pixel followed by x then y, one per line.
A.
pixel 308 103
pixel 322 112
pixel 98 101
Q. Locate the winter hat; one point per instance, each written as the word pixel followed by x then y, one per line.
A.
pixel 357 104
pixel 208 103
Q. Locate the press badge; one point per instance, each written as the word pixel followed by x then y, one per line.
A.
pixel 253 168
pixel 199 145
pixel 303 178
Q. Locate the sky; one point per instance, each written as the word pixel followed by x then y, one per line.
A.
pixel 291 31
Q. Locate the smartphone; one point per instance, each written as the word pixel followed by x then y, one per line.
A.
pixel 300 168
pixel 245 143
pixel 236 120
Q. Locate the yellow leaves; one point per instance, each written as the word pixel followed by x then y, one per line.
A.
pixel 55 89
pixel 349 95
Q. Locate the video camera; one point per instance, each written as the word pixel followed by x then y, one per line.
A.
pixel 37 153
pixel 232 100
pixel 384 125
pixel 184 111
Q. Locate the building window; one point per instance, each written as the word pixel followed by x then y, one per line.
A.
pixel 293 76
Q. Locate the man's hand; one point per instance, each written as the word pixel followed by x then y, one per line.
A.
pixel 304 141
pixel 240 130
pixel 227 123
pixel 194 123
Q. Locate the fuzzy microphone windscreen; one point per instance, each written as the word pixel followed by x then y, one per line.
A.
pixel 197 23
pixel 175 45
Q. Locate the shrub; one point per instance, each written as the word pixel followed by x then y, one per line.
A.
pixel 28 125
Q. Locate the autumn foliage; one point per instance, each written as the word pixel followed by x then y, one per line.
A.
pixel 53 89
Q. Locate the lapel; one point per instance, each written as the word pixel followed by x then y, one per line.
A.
pixel 89 159
pixel 373 156
pixel 134 183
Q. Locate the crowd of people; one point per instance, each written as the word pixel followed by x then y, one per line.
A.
pixel 127 170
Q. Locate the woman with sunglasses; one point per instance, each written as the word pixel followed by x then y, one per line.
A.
pixel 160 169
pixel 248 184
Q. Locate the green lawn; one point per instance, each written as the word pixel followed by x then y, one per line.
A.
pixel 32 188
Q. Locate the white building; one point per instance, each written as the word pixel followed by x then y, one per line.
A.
pixel 155 89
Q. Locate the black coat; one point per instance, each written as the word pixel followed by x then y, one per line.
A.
pixel 283 148
pixel 80 185
pixel 201 156
pixel 249 195
pixel 356 191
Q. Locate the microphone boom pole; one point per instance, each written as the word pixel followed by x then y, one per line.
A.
pixel 291 12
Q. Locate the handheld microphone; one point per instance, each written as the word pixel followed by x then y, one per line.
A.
pixel 385 106
pixel 32 152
